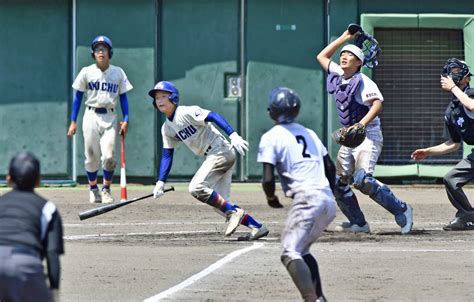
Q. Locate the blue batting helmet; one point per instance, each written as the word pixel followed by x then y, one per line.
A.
pixel 166 86
pixel 283 105
pixel 104 40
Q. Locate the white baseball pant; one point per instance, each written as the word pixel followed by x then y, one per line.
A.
pixel 310 214
pixel 99 132
pixel 364 156
pixel 215 173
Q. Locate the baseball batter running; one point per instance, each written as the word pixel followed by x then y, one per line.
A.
pixel 102 84
pixel 211 183
pixel 359 102
pixel 307 175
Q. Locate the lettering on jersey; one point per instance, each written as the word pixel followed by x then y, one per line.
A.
pixel 103 86
pixel 369 95
pixel 94 85
pixel 187 132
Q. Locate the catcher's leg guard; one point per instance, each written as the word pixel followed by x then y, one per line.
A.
pixel 347 202
pixel 381 193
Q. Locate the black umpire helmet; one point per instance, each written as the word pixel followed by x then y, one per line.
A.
pixel 457 69
pixel 24 171
pixel 283 105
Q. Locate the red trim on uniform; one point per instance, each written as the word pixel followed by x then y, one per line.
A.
pixel 244 219
pixel 223 205
pixel 213 200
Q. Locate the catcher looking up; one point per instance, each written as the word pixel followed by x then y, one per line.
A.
pixel 358 102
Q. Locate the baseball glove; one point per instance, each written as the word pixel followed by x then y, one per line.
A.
pixel 350 137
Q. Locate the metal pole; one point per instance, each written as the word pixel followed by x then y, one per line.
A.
pixel 243 113
pixel 74 168
pixel 326 101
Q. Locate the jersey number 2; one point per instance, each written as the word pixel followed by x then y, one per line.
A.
pixel 300 139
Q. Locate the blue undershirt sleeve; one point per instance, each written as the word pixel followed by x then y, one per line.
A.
pixel 124 105
pixel 165 164
pixel 219 121
pixel 76 105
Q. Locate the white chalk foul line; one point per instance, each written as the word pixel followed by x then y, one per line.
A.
pixel 394 250
pixel 203 273
pixel 89 225
pixel 92 236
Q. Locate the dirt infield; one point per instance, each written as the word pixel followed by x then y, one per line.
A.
pixel 144 249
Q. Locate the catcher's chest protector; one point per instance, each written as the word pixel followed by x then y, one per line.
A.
pixel 349 111
pixel 463 123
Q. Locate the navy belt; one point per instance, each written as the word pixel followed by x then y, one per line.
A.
pixel 207 151
pixel 24 250
pixel 100 110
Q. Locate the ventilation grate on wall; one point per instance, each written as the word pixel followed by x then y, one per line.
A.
pixel 408 76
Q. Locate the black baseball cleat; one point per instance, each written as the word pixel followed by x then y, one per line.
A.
pixel 459 224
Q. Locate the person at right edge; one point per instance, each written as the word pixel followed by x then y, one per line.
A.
pixel 359 102
pixel 459 127
pixel 30 230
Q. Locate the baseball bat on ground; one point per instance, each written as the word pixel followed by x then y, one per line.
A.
pixel 107 208
pixel 123 177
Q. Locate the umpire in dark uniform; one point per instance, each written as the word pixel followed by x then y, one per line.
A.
pixel 30 230
pixel 459 127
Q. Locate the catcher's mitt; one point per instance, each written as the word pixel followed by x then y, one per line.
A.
pixel 350 137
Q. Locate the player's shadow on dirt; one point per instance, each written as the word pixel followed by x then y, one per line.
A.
pixel 332 236
pixel 412 233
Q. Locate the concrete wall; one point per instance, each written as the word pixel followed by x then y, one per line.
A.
pixel 195 43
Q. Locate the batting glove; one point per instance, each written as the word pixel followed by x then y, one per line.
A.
pixel 238 143
pixel 158 191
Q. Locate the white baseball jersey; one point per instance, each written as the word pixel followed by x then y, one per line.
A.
pixel 297 153
pixel 367 93
pixel 189 126
pixel 364 156
pixel 101 88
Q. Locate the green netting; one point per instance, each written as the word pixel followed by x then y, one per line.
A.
pixel 444 21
